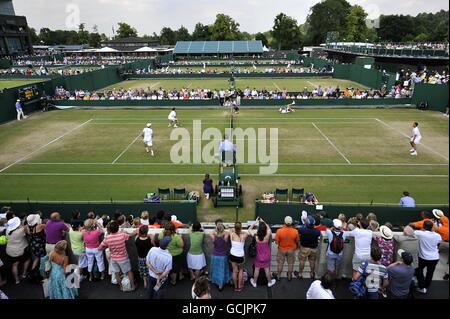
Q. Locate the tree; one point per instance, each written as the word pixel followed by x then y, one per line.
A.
pixel 286 32
pixel 83 35
pixel 167 36
pixel 326 16
pixel 201 32
pixel 396 28
pixel 182 34
pixel 225 28
pixel 34 36
pixel 245 36
pixel 262 37
pixel 94 40
pixel 125 31
pixel 356 28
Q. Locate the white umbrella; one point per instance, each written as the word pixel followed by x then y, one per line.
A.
pixel 145 49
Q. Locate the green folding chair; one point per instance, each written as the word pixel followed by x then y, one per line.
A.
pixel 164 193
pixel 180 194
pixel 281 194
pixel 298 194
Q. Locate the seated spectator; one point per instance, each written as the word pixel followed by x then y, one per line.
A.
pixel 287 238
pixel 309 242
pixel 372 269
pixel 386 244
pixel 321 289
pixel 208 186
pixel 144 218
pixel 201 288
pixel 401 274
pixel 311 199
pixel 407 201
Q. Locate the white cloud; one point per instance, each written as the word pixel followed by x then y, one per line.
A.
pixel 150 16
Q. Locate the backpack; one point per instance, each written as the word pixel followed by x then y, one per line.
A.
pixel 337 243
pixel 252 248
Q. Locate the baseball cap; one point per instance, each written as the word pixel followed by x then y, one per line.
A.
pixel 311 221
pixel 405 256
pixel 337 223
pixel 288 220
pixel 163 243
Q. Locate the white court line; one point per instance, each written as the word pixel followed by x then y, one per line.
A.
pixel 400 132
pixel 43 146
pixel 312 83
pixel 332 144
pixel 276 86
pixel 126 149
pixel 201 174
pixel 223 123
pixel 242 164
pixel 240 119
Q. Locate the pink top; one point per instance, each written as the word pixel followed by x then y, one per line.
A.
pixel 91 238
pixel 116 244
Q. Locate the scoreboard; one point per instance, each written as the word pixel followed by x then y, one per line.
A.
pixel 29 93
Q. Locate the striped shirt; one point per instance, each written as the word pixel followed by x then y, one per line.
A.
pixel 116 244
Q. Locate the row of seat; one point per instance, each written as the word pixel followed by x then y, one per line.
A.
pixel 296 195
pixel 177 194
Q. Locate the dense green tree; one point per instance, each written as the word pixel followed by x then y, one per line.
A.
pixel 224 28
pixel 83 35
pixel 168 36
pixel 125 31
pixel 182 34
pixel 94 40
pixel 34 36
pixel 201 32
pixel 356 29
pixel 286 32
pixel 262 37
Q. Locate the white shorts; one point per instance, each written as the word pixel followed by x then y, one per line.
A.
pixel 417 140
pixel 173 119
pixel 148 143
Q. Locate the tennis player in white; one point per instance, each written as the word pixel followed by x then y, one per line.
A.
pixel 415 138
pixel 147 134
pixel 173 121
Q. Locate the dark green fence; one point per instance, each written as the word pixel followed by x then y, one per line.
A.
pixel 5 63
pixel 275 213
pixel 435 94
pixel 369 77
pixel 186 211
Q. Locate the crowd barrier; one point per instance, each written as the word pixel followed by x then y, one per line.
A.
pixel 399 216
pixel 435 94
pixel 184 210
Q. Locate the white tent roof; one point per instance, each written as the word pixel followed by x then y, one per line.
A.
pixel 265 49
pixel 106 49
pixel 145 49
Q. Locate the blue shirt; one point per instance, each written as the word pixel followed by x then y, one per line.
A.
pixel 18 106
pixel 407 201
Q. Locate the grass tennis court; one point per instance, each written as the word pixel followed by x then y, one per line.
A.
pixel 342 155
pixel 292 85
pixel 7 84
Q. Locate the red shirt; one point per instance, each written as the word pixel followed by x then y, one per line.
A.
pixel 116 244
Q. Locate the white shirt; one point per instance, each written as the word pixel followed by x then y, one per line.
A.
pixel 416 133
pixel 161 261
pixel 316 291
pixel 363 240
pixel 172 116
pixel 428 244
pixel 148 134
pixel 226 146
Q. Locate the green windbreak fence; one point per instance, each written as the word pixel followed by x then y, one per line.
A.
pixel 186 211
pixel 5 63
pixel 318 63
pixel 435 94
pixel 275 213
pixel 369 77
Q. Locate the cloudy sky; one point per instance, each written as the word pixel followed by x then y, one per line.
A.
pixel 150 16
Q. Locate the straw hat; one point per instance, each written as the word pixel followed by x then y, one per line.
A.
pixel 386 232
pixel 437 213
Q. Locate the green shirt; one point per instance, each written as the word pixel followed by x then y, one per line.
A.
pixel 175 248
pixel 196 243
pixel 76 242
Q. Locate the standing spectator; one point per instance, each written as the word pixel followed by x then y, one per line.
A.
pixel 419 224
pixel 309 242
pixel 428 255
pixel 55 231
pixel 321 289
pixel 441 225
pixel 407 201
pixel 78 247
pixel 17 248
pixel 58 288
pixel 263 255
pixel 120 262
pixel 91 238
pixel 76 218
pixel 408 242
pixel 335 248
pixel 375 273
pixel 144 219
pixel 36 234
pixel 237 255
pixel 287 238
pixel 343 219
pixel 19 110
pixel 196 258
pixel 159 262
pixel 143 245
pixel 363 241
pixel 175 248
pixel 208 186
pixel 386 244
pixel 219 269
pixel 401 274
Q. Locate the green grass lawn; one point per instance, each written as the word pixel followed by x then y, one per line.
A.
pixel 343 156
pixel 292 85
pixel 7 84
